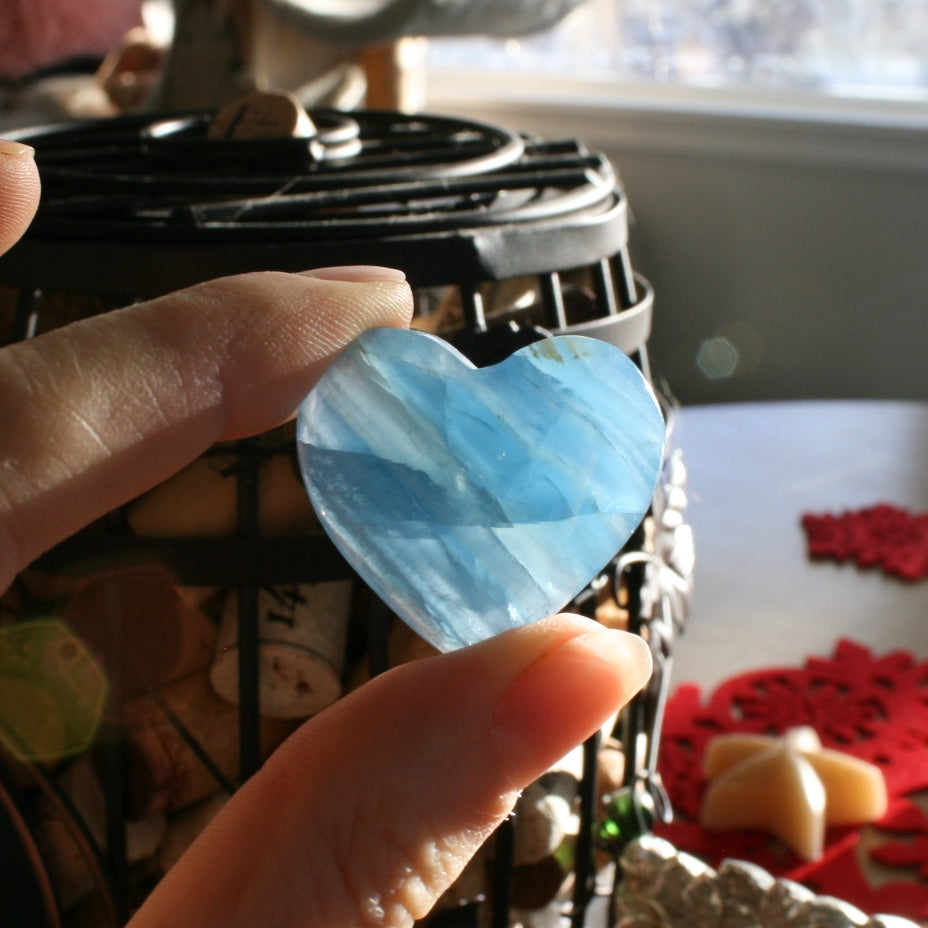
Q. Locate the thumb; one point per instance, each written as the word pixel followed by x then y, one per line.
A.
pixel 19 191
pixel 369 811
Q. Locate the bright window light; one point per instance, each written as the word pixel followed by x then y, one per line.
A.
pixel 876 49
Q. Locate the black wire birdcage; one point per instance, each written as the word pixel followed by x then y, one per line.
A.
pixel 504 239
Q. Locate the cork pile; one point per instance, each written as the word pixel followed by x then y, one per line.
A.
pixel 170 653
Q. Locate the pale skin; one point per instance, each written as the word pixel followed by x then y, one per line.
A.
pixel 369 810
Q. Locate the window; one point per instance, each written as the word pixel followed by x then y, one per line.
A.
pixel 873 49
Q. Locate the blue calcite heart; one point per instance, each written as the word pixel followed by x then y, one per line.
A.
pixel 474 500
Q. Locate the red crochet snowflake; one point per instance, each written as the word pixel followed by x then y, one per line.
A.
pixel 875 708
pixel 882 536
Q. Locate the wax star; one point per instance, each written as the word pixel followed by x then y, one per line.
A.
pixel 789 786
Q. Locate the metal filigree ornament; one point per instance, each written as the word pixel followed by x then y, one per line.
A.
pixel 664 564
pixel 666 888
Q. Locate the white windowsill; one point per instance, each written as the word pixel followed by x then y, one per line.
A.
pixel 890 107
pixel 773 125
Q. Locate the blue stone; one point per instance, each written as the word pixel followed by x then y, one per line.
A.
pixel 475 500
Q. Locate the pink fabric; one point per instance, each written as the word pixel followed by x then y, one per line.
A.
pixel 36 34
pixel 872 707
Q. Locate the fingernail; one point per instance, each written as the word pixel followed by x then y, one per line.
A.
pixel 11 149
pixel 357 274
pixel 578 682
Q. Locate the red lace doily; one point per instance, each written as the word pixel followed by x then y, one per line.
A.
pixel 875 708
pixel 883 536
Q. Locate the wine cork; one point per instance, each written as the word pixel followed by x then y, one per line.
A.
pixel 81 784
pixel 196 597
pixel 536 894
pixel 610 767
pixel 262 115
pixel 202 501
pixel 67 856
pixel 93 911
pixel 68 865
pixel 403 645
pixel 136 617
pixel 537 885
pixel 545 816
pixel 185 826
pixel 184 744
pixel 41 590
pixel 283 505
pixel 611 614
pixel 302 629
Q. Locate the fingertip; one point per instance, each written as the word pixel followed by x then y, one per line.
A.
pixel 357 273
pixel 19 191
pixel 586 675
pixel 294 329
pixel 267 336
pixel 9 148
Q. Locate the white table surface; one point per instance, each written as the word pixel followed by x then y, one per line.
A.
pixel 753 470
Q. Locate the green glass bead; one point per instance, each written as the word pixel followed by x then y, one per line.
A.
pixel 628 813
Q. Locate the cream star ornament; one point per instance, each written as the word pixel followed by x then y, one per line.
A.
pixel 789 786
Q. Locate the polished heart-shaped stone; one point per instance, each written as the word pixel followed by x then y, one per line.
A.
pixel 475 500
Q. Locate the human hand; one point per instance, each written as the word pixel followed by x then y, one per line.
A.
pixel 368 812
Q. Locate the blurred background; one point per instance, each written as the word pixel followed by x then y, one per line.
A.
pixel 774 154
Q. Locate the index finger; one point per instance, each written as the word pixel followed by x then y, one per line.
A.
pixel 97 412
